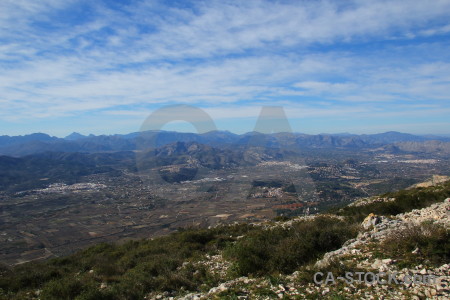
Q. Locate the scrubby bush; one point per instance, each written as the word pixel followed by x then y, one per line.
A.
pixel 62 289
pixel 130 270
pixel 283 250
pixel 31 275
pixel 427 244
pixel 405 201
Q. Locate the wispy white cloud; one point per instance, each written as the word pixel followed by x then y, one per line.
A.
pixel 69 58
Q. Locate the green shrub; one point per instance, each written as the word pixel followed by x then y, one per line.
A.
pixel 405 201
pixel 280 250
pixel 430 243
pixel 31 275
pixel 131 270
pixel 60 289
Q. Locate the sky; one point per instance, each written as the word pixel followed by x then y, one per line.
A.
pixel 103 67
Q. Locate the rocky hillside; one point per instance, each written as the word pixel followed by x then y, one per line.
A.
pixel 437 147
pixel 404 240
pixel 365 253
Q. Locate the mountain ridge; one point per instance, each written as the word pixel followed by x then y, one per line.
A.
pixel 75 142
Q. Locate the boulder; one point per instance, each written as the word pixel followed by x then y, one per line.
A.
pixel 370 221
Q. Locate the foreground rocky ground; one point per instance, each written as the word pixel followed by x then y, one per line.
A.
pixel 361 254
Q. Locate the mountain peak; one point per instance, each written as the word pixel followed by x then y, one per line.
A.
pixel 74 136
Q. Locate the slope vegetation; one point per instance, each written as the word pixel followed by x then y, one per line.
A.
pixel 406 232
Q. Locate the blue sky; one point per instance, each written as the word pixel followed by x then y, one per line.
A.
pixel 335 66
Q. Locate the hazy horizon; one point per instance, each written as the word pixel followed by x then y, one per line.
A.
pixel 219 130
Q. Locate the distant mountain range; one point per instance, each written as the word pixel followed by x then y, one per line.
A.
pixel 35 160
pixel 176 162
pixel 18 146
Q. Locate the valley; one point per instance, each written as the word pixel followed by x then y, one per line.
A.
pixel 118 196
